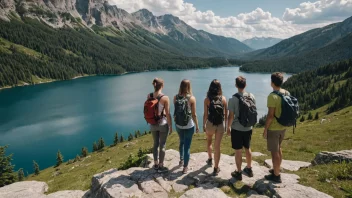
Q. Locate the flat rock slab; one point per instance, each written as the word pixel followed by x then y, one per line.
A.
pixel 204 193
pixel 326 157
pixel 299 191
pixel 289 165
pixel 67 194
pixel 26 189
pixel 258 154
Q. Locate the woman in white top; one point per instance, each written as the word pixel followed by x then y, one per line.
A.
pixel 213 121
pixel 161 130
pixel 186 120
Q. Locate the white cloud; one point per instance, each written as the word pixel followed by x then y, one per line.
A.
pixel 245 25
pixel 319 11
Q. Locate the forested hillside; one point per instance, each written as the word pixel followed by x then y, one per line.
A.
pixel 330 84
pixel 29 48
pixel 305 51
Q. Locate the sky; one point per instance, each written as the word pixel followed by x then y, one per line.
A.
pixel 244 19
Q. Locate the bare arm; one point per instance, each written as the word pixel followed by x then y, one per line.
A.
pixel 205 115
pixel 167 112
pixel 269 120
pixel 229 122
pixel 194 113
pixel 225 110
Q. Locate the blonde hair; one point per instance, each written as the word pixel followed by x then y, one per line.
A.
pixel 185 87
pixel 158 83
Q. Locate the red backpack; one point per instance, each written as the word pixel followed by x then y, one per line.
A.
pixel 151 110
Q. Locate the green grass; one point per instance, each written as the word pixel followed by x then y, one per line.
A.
pixel 310 138
pixel 5 47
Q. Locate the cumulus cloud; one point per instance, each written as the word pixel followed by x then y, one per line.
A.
pixel 319 11
pixel 245 25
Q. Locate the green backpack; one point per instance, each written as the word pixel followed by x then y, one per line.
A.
pixel 182 113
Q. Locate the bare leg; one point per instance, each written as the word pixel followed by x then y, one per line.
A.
pixel 280 156
pixel 249 158
pixel 238 157
pixel 276 162
pixel 209 146
pixel 218 138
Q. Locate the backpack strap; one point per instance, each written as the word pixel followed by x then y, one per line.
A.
pixel 237 95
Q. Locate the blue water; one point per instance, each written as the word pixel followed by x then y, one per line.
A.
pixel 36 121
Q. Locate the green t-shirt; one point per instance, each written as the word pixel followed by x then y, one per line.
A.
pixel 275 101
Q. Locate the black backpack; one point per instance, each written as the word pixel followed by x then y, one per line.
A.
pixel 248 110
pixel 182 111
pixel 216 111
pixel 289 110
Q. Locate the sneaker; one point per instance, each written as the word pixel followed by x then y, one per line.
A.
pixel 248 171
pixel 216 171
pixel 237 175
pixel 181 163
pixel 156 166
pixel 210 162
pixel 163 169
pixel 273 178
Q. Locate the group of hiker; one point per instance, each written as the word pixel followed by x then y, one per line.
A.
pixel 236 117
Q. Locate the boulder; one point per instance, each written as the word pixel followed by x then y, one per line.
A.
pixel 28 189
pixel 204 193
pixel 326 157
pixel 289 165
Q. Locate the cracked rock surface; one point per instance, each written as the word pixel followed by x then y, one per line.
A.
pixel 145 182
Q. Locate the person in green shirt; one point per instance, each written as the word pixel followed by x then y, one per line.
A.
pixel 274 132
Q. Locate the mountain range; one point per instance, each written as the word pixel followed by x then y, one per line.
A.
pixel 261 42
pixel 305 51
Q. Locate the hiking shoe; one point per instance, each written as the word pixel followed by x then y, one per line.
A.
pixel 237 175
pixel 248 171
pixel 163 169
pixel 156 166
pixel 185 170
pixel 273 178
pixel 216 171
pixel 210 162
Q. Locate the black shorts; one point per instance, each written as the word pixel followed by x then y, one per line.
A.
pixel 240 139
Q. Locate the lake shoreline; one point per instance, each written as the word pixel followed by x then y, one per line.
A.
pixel 122 74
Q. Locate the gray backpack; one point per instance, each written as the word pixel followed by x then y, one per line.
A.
pixel 182 111
pixel 248 110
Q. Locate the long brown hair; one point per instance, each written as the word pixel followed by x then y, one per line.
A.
pixel 185 87
pixel 214 89
pixel 158 83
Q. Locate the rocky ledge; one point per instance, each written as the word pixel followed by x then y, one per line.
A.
pixel 199 182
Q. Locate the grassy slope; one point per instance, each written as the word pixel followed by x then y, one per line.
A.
pixel 311 137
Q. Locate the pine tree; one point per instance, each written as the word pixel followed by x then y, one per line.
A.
pixel 101 144
pixel 122 139
pixel 95 147
pixel 84 152
pixel 150 132
pixel 310 116
pixel 20 174
pixel 130 137
pixel 116 139
pixel 6 168
pixel 59 158
pixel 316 117
pixel 140 153
pixel 77 158
pixel 145 133
pixel 302 119
pixel 139 134
pixel 36 168
pixel 135 134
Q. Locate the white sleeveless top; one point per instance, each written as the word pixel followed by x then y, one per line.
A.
pixel 190 123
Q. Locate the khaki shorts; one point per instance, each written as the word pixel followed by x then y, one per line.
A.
pixel 275 139
pixel 211 129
